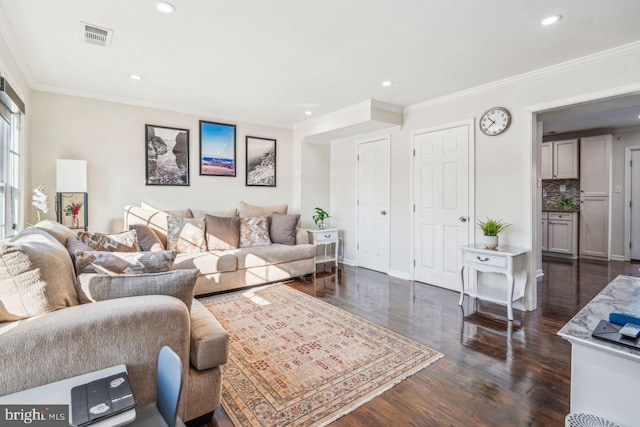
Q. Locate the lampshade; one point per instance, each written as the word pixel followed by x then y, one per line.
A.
pixel 71 176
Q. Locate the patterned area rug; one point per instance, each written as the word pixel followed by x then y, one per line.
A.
pixel 296 360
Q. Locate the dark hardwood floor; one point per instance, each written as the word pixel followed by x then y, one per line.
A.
pixel 495 372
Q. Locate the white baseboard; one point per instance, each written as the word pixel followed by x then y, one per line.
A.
pixel 399 274
pixel 617 258
pixel 347 261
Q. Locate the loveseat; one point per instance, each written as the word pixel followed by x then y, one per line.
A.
pixel 222 270
pixel 46 334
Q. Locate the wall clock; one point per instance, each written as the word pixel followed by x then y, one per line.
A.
pixel 495 121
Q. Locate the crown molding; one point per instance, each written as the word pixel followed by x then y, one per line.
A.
pixel 155 105
pixel 530 75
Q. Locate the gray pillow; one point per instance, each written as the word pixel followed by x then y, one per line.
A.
pixel 99 287
pixel 148 240
pixel 127 241
pixel 123 262
pixel 283 228
pixel 223 233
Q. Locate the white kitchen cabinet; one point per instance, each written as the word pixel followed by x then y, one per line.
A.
pixel 594 227
pixel 595 161
pixel 559 160
pixel 560 234
pixel 545 230
pixel 546 160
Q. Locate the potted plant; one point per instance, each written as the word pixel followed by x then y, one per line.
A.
pixel 490 229
pixel 319 218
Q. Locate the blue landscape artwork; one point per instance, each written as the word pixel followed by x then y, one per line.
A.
pixel 217 149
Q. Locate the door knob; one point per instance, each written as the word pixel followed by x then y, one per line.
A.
pixel 462 219
pixel 383 212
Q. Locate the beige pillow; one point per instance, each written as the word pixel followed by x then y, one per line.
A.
pixel 36 276
pixel 254 232
pixel 99 287
pixel 179 213
pixel 247 210
pixel 202 214
pixel 222 233
pixel 123 262
pixel 127 241
pixel 148 240
pixel 57 230
pixel 185 235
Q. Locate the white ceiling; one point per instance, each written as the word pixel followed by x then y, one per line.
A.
pixel 612 113
pixel 269 61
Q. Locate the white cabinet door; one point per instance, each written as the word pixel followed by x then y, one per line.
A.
pixel 546 160
pixel 565 159
pixel 595 163
pixel 545 234
pixel 594 227
pixel 560 238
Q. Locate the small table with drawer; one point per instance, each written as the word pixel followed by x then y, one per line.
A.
pixel 325 238
pixel 510 261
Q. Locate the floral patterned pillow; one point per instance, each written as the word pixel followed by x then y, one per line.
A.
pixel 186 235
pixel 254 231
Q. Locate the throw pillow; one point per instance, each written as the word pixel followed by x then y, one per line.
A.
pixel 222 233
pixel 246 210
pixel 283 228
pixel 99 287
pixel 254 231
pixel 185 235
pixel 36 276
pixel 127 241
pixel 124 262
pixel 148 240
pixel 74 245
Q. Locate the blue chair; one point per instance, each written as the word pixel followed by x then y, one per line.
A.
pixel 164 412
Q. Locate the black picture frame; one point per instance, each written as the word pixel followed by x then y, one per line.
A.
pixel 217 149
pixel 166 156
pixel 65 199
pixel 260 161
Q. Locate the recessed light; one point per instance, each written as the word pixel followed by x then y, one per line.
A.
pixel 639 117
pixel 551 20
pixel 135 77
pixel 165 7
pixel 308 113
pixel 387 83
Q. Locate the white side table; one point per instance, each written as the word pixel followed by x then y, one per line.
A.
pixel 510 261
pixel 325 238
pixel 59 393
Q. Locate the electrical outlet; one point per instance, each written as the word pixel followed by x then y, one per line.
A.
pixel 617 189
pixel 563 188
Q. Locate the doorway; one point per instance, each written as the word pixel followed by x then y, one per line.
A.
pixel 632 201
pixel 373 202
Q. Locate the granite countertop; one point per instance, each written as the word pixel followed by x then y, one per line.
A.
pixel 622 295
pixel 552 209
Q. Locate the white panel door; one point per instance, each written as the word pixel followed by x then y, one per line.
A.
pixel 441 196
pixel 373 205
pixel 635 204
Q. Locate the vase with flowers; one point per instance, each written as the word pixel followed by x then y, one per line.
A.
pixel 72 209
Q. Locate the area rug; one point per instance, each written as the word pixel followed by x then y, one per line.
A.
pixel 296 360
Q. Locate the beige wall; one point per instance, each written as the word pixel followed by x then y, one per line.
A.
pixel 110 136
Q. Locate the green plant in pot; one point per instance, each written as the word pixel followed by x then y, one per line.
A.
pixel 319 218
pixel 491 228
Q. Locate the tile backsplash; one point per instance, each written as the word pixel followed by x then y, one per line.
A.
pixel 551 191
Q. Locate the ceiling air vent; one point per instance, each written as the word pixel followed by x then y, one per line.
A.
pixel 95 35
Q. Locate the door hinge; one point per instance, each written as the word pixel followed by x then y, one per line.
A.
pixel 414 208
pixel 629 245
pixel 414 152
pixel 630 203
pixel 414 262
pixel 358 246
pixel 358 202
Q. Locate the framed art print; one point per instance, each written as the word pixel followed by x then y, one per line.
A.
pixel 261 162
pixel 217 149
pixel 167 157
